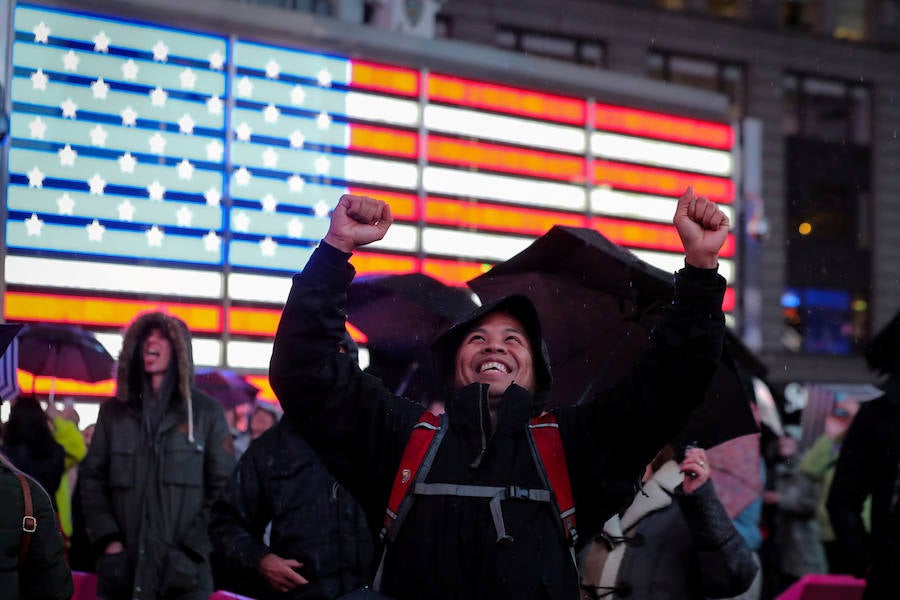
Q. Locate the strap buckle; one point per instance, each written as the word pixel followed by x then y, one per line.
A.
pixel 520 493
pixel 29 524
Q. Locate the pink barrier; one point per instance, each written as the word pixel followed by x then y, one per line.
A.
pixel 86 589
pixel 825 587
pixel 85 586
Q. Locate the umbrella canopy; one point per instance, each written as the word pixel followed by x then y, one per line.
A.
pixel 883 350
pixel 401 314
pixel 736 471
pixel 65 352
pixel 598 303
pixel 229 388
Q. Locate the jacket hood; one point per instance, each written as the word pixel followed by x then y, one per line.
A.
pixel 444 348
pixel 130 367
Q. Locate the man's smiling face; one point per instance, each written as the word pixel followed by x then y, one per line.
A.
pixel 496 351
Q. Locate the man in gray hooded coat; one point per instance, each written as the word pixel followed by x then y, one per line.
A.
pixel 160 455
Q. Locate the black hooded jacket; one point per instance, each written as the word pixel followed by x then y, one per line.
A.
pixel 152 490
pixel 447 547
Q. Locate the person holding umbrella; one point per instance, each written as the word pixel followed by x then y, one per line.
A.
pixel 481 519
pixel 159 457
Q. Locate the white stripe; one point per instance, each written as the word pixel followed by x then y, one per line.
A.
pixel 404 238
pixel 486 126
pixel 661 154
pixel 259 288
pixel 608 202
pixel 87 275
pixel 249 355
pixel 671 262
pixel 379 108
pixel 473 245
pixel 207 352
pixel 515 190
pixel 381 172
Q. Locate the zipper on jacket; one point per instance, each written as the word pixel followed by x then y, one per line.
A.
pixel 482 407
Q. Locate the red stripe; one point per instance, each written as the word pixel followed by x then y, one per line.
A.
pixel 663 182
pixel 382 78
pixel 663 127
pixel 381 140
pixel 104 312
pixel 537 163
pixel 650 236
pixel 472 215
pixel 404 207
pixel 505 99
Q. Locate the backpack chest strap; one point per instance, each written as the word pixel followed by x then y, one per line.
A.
pixel 497 494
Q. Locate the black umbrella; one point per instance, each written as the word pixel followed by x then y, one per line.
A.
pixel 63 352
pixel 598 303
pixel 229 388
pixel 883 350
pixel 401 315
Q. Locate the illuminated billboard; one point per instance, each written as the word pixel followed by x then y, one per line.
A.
pixel 153 166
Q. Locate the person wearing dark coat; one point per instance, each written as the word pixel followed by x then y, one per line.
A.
pixel 674 542
pixel 160 455
pixel 43 573
pixel 869 463
pixel 28 442
pixel 320 546
pixel 497 375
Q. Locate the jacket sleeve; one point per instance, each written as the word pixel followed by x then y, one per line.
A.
pixel 45 573
pixel 853 481
pixel 818 458
pixel 354 423
pixel 218 463
pixel 798 495
pixel 725 562
pixel 66 434
pixel 240 515
pixel 611 438
pixel 101 526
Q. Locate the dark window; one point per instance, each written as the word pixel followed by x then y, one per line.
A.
pixel 573 49
pixel 828 245
pixel 829 110
pixel 725 77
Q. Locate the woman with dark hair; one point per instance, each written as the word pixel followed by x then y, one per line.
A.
pixel 28 442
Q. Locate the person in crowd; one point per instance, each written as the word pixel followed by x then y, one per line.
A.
pixel 64 425
pixel 33 565
pixel 454 543
pixel 264 415
pixel 675 540
pixel 28 442
pixel 160 455
pixel 795 532
pixel 318 545
pixel 818 463
pixel 869 464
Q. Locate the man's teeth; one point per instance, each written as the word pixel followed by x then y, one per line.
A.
pixel 493 365
pixel 153 352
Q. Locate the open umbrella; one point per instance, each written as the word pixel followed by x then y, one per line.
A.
pixel 598 303
pixel 63 352
pixel 401 314
pixel 229 388
pixel 736 471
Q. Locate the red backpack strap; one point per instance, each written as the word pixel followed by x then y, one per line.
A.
pixel 550 457
pixel 418 456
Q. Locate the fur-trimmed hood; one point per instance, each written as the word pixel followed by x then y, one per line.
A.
pixel 131 362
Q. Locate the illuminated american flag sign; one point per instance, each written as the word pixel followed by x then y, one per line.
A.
pixel 157 167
